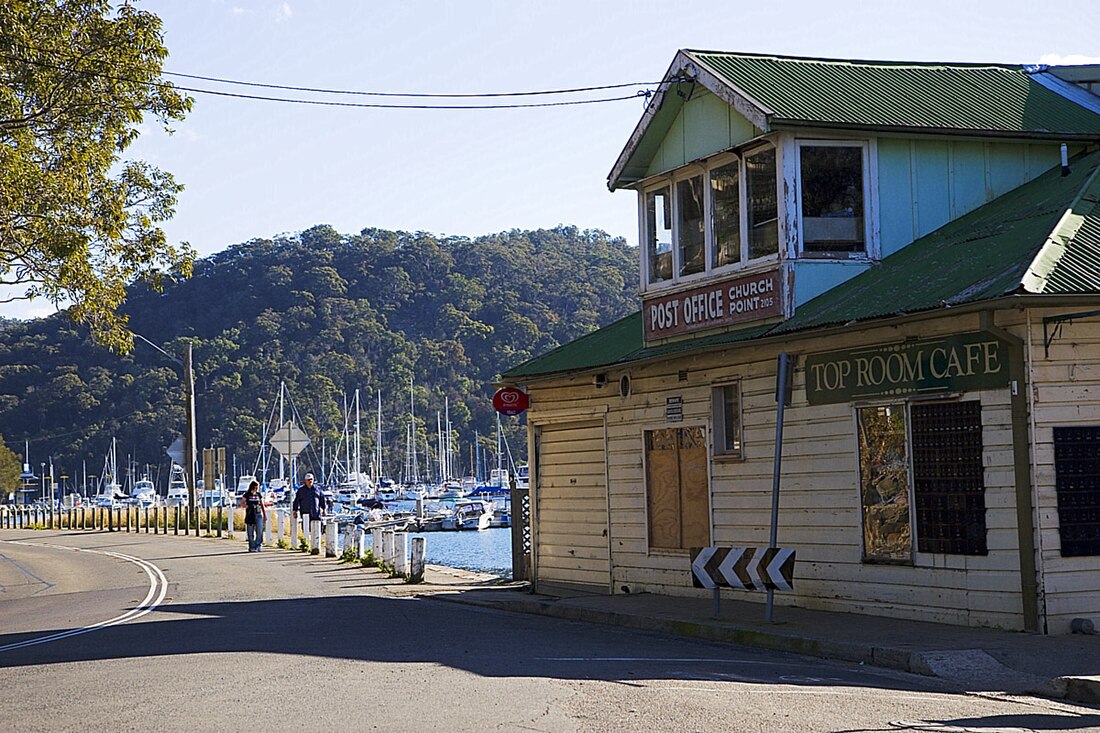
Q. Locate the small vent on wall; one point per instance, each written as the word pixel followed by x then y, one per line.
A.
pixel 624 386
pixel 682 375
pixel 600 381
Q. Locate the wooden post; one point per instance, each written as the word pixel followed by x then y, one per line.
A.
pixel 331 541
pixel 400 552
pixel 314 536
pixel 416 559
pixel 221 518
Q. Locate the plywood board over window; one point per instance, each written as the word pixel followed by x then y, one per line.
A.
pixel 677 486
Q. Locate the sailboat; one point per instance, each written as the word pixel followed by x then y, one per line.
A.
pixel 110 490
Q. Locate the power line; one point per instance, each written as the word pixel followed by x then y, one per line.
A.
pixel 478 95
pixel 643 93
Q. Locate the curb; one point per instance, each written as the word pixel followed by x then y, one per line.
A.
pixel 1076 689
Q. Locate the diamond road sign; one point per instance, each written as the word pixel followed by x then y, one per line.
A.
pixel 289 440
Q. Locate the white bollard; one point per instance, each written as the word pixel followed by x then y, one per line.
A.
pixel 376 543
pixel 416 560
pixel 314 536
pixel 231 511
pixel 269 515
pixel 278 526
pixel 361 537
pixel 400 552
pixel 387 547
pixel 331 534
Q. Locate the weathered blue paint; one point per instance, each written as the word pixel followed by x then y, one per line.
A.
pixel 942 181
pixel 895 193
pixel 814 277
pixel 967 177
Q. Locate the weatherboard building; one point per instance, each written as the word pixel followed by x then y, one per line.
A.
pixel 923 241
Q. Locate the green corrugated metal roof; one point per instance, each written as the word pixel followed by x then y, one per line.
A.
pixel 619 343
pixel 1043 237
pixel 788 92
pixel 941 96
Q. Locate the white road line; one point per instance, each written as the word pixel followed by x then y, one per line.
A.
pixel 683 660
pixel 158 589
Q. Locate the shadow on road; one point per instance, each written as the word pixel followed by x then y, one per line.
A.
pixel 486 643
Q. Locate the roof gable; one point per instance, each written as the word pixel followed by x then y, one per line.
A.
pixel 781 91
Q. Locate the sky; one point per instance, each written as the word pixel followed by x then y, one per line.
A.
pixel 255 169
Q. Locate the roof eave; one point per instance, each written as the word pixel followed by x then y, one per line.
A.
pixel 754 111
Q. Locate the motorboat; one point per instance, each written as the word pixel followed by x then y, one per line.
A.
pixel 473 514
pixel 177 487
pixel 144 492
pixel 243 483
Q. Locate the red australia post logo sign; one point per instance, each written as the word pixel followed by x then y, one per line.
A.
pixel 737 300
pixel 510 401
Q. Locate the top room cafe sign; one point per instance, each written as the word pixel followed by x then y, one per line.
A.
pixel 736 300
pixel 956 363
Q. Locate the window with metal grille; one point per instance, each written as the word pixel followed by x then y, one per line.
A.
pixel 1077 482
pixel 948 477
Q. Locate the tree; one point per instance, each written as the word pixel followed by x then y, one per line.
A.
pixel 78 223
pixel 10 469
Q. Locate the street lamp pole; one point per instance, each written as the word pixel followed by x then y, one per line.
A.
pixel 189 433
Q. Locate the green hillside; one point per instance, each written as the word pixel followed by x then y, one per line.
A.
pixel 326 313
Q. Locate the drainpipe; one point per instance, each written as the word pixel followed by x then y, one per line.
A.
pixel 1021 454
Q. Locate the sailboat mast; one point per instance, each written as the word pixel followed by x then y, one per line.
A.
pixel 378 442
pixel 282 458
pixel 358 459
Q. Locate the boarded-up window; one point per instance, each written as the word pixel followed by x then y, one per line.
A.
pixel 948 477
pixel 678 495
pixel 884 484
pixel 1077 481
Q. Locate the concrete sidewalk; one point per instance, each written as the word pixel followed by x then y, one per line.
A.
pixel 979 659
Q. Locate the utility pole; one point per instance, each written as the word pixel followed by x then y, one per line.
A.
pixel 189 433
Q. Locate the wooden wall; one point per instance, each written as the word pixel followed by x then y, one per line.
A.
pixel 819 505
pixel 1066 392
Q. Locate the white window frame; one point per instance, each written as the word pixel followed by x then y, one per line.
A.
pixel 870 204
pixel 704 169
pixel 718 422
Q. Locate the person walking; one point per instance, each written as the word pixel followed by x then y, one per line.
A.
pixel 310 501
pixel 254 514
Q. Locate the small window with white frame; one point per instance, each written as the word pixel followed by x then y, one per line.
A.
pixel 833 195
pixel 726 417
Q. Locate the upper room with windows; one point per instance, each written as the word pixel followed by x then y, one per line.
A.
pixel 807 171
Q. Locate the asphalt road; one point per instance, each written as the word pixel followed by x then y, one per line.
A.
pixel 120 632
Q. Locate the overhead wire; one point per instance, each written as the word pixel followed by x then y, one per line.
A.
pixel 642 93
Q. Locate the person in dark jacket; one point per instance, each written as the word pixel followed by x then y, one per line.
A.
pixel 310 501
pixel 254 510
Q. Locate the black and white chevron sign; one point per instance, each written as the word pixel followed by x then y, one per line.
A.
pixel 743 568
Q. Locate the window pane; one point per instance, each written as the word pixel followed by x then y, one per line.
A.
pixel 884 483
pixel 727 420
pixel 832 199
pixel 659 234
pixel 726 214
pixel 691 237
pixel 763 206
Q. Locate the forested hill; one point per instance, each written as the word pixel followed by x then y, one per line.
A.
pixel 328 313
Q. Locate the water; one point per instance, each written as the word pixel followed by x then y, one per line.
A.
pixel 487 551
